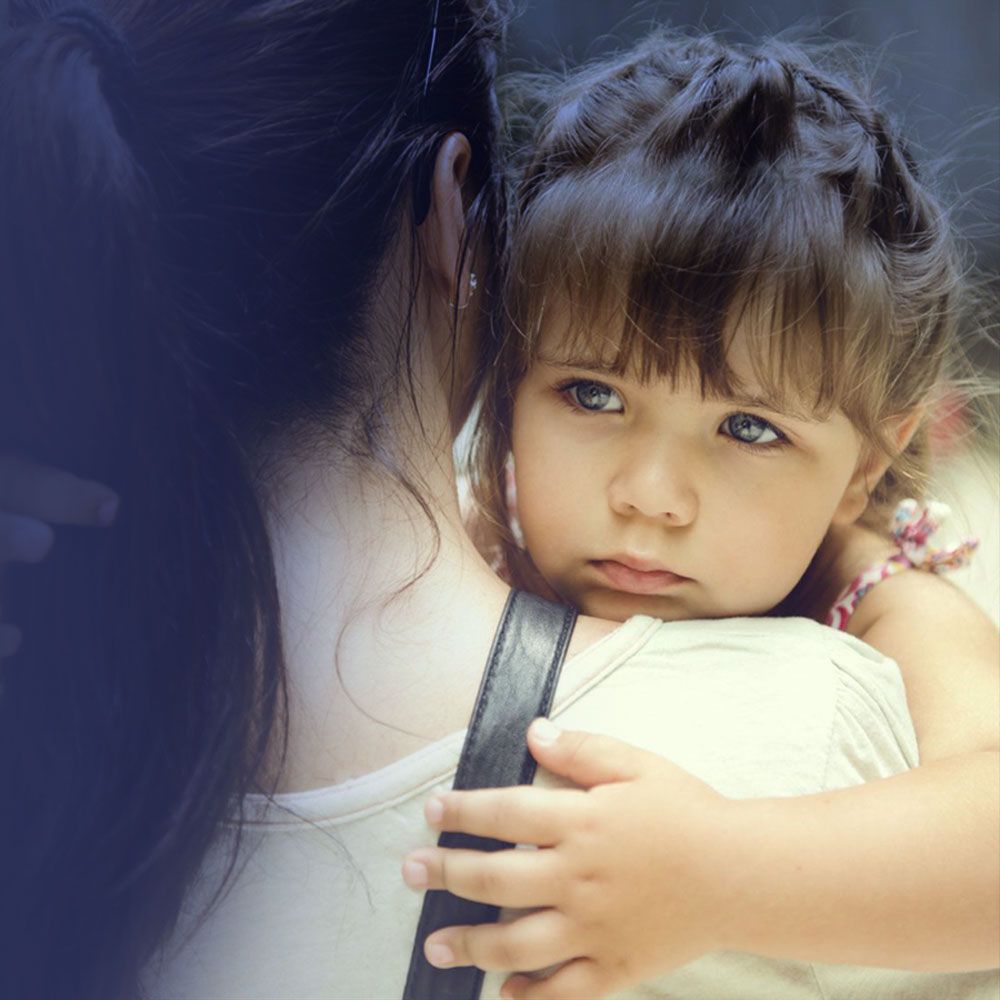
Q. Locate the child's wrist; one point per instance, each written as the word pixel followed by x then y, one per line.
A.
pixel 715 848
pixel 768 877
pixel 738 876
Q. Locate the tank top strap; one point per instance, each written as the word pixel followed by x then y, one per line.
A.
pixel 844 606
pixel 913 526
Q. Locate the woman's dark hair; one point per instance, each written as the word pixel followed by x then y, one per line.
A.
pixel 194 201
pixel 706 186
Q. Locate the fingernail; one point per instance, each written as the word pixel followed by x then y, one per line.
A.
pixel 544 732
pixel 434 810
pixel 415 874
pixel 439 955
pixel 107 511
pixel 31 540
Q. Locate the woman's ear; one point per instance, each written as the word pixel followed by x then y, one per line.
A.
pixel 441 233
pixel 872 466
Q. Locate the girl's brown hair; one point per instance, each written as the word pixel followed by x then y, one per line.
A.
pixel 690 187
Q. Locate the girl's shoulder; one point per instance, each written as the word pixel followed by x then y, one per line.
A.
pixel 897 601
pixel 920 603
pixel 858 561
pixel 948 651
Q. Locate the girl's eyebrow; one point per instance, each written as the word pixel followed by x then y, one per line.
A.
pixel 590 364
pixel 751 400
pixel 755 401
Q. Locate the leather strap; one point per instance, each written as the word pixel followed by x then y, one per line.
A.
pixel 518 685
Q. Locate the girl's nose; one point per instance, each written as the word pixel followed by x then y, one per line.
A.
pixel 654 485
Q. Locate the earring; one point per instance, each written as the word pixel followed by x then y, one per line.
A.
pixel 473 285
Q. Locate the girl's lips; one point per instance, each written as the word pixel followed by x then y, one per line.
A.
pixel 636 581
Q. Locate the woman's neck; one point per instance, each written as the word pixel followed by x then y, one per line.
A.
pixel 384 641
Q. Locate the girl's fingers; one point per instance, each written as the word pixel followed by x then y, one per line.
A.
pixel 576 979
pixel 521 815
pixel 24 539
pixel 533 942
pixel 504 878
pixel 585 758
pixel 53 495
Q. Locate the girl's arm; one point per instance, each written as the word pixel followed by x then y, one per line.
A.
pixel 949 655
pixel 650 868
pixel 924 846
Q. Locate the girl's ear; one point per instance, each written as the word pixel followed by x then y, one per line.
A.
pixel 442 231
pixel 872 466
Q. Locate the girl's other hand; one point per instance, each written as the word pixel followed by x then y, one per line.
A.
pixel 34 497
pixel 627 882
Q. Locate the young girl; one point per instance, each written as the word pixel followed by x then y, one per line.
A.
pixel 732 303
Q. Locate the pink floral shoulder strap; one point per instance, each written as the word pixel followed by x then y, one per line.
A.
pixel 913 526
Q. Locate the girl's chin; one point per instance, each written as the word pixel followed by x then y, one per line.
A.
pixel 618 607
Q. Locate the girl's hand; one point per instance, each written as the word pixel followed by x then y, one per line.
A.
pixel 627 882
pixel 32 498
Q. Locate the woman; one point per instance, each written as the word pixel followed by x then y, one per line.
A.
pixel 146 306
pixel 248 233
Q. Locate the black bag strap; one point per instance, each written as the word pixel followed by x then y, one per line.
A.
pixel 518 685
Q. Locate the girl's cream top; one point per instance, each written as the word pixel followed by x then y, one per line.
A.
pixel 316 907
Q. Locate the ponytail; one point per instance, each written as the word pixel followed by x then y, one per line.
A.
pixel 149 652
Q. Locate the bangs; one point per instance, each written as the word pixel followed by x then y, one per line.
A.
pixel 655 271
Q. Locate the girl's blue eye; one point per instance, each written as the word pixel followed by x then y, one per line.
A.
pixel 748 429
pixel 595 397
